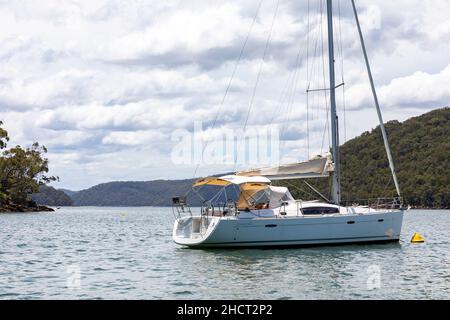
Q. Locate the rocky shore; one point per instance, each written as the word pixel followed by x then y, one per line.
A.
pixel 30 207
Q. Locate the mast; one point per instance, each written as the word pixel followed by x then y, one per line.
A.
pixel 336 188
pixel 377 105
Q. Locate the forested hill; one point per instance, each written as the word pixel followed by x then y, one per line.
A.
pixel 421 152
pixel 51 197
pixel 132 193
pixel 420 147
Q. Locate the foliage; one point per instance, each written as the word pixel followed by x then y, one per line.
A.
pixel 133 193
pixel 22 171
pixel 3 136
pixel 421 152
pixel 51 197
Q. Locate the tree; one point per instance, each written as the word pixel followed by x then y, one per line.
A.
pixel 3 140
pixel 3 136
pixel 22 172
pixel 421 151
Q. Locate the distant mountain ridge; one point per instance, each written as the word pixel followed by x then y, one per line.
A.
pixel 68 192
pixel 132 193
pixel 50 196
pixel 421 151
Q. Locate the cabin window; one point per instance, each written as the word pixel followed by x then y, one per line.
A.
pixel 319 210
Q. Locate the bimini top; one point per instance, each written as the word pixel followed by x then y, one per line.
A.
pixel 231 179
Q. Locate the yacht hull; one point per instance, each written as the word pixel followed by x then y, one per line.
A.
pixel 291 231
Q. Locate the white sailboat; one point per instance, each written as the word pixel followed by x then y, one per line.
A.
pixel 262 215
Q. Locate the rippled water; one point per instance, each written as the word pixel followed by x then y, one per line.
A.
pixel 128 253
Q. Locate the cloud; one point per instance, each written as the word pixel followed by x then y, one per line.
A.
pixel 134 138
pixel 105 83
pixel 419 90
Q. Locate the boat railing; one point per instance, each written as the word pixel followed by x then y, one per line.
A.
pixel 375 203
pixel 210 209
pixel 299 208
pixel 220 209
pixel 180 208
pixel 282 211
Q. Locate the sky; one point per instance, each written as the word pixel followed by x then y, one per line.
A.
pixel 110 86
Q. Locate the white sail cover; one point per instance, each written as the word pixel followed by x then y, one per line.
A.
pixel 318 167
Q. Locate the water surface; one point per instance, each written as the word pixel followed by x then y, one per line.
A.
pixel 128 253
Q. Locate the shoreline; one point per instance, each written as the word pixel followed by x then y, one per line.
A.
pixel 16 208
pixel 168 206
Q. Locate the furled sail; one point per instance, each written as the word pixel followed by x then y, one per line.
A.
pixel 319 167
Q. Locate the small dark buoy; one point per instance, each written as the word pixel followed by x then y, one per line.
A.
pixel 417 238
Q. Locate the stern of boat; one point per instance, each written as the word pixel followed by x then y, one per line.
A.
pixel 193 230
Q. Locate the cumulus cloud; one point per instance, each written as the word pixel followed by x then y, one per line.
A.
pixel 419 90
pixel 134 138
pixel 105 83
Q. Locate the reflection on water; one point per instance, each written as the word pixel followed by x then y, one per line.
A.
pixel 128 253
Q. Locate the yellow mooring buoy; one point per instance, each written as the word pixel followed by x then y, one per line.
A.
pixel 417 238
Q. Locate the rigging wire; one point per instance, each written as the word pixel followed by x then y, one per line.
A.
pixel 388 184
pixel 309 75
pixel 298 188
pixel 288 94
pixel 290 86
pixel 316 77
pixel 341 55
pixel 312 75
pixel 327 117
pixel 327 123
pixel 284 96
pixel 241 53
pixel 258 77
pixel 260 71
pixel 307 81
pixel 293 90
pixel 342 71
